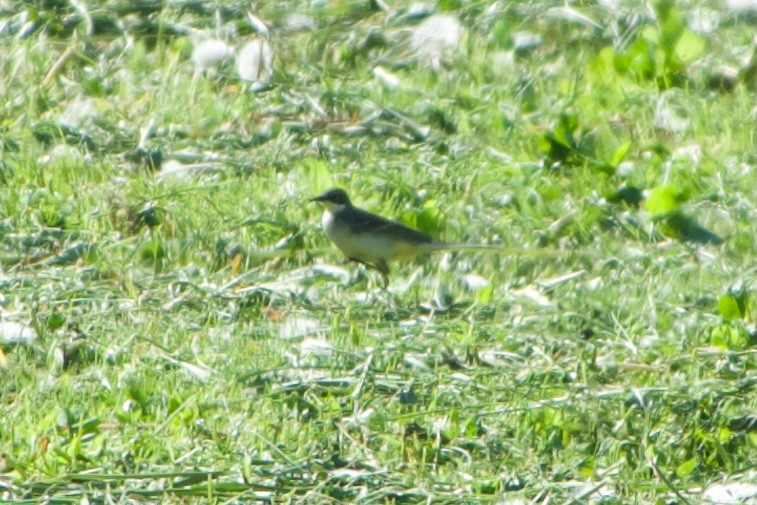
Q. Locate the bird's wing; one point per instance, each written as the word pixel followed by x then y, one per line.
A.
pixel 361 221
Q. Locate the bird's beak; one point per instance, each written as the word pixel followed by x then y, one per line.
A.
pixel 318 198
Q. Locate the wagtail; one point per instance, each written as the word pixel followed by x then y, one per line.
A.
pixel 371 239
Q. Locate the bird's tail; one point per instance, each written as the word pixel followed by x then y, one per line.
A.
pixel 445 246
pixel 501 250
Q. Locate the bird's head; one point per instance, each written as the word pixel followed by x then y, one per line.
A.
pixel 333 199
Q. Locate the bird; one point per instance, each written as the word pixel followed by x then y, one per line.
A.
pixel 371 239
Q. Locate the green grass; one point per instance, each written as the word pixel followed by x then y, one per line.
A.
pixel 199 340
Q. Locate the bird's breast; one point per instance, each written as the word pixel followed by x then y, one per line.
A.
pixel 326 221
pixel 336 230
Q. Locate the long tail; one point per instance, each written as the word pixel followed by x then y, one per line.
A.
pixel 533 253
pixel 444 246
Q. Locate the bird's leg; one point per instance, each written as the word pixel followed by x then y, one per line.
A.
pixel 380 266
pixel 383 269
pixel 384 295
pixel 356 278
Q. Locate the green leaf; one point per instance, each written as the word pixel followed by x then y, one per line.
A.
pixel 652 35
pixel 640 60
pixel 671 26
pixel 620 153
pixel 686 468
pixel 429 218
pixel 449 5
pixel 560 143
pixel 734 304
pixel 484 295
pixel 729 308
pixel 729 336
pixel 662 200
pixel 689 47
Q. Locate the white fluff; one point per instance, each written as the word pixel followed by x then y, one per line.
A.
pixel 210 53
pixel 255 61
pixel 435 35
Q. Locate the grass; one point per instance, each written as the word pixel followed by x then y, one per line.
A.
pixel 199 340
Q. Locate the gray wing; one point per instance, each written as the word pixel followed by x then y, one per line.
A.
pixel 361 221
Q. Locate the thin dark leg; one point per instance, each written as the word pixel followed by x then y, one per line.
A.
pixel 380 266
pixel 383 269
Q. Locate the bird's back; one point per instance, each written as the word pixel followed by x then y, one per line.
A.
pixel 362 222
pixel 366 237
